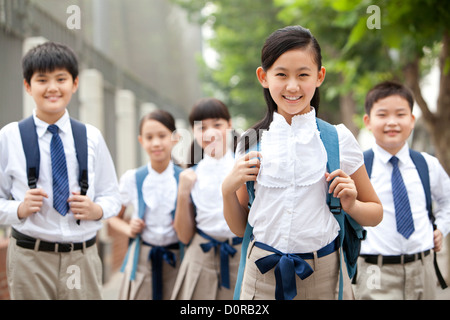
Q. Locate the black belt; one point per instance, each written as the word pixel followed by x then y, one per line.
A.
pixel 404 258
pixel 28 242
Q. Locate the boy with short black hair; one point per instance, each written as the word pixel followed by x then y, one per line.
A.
pixel 52 252
pixel 400 246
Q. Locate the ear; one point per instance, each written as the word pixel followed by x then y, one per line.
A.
pixel 262 77
pixel 321 76
pixel 175 138
pixel 27 86
pixel 75 85
pixel 366 120
pixel 140 140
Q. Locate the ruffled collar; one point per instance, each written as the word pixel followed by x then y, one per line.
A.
pixel 292 154
pixel 160 189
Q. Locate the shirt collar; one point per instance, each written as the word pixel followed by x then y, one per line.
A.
pixel 168 171
pixel 385 156
pixel 298 121
pixel 41 126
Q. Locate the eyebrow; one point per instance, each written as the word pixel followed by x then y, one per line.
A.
pixel 299 69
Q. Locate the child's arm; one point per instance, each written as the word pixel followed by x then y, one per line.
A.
pixel 131 229
pixel 184 222
pixel 358 198
pixel 32 203
pixel 235 197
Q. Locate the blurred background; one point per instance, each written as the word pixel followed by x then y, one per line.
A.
pixel 138 55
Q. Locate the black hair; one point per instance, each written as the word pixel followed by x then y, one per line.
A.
pixel 279 42
pixel 161 116
pixel 207 108
pixel 386 89
pixel 48 57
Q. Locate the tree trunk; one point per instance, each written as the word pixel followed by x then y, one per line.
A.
pixel 348 110
pixel 438 124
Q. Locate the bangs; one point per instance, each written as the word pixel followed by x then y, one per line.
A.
pixel 208 108
pixel 48 58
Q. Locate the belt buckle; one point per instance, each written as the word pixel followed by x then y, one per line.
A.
pixel 65 247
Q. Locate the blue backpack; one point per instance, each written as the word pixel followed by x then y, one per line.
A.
pixel 141 173
pixel 422 168
pixel 30 145
pixel 350 234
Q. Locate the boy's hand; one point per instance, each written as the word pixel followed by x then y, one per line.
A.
pixel 342 187
pixel 84 208
pixel 32 203
pixel 437 240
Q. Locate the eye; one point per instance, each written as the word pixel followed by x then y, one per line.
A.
pixel 280 74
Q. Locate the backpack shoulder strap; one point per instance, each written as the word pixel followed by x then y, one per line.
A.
pixel 368 161
pixel 330 140
pixel 140 175
pixel 422 169
pixel 80 138
pixel 30 145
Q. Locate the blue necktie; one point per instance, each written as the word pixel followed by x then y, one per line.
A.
pixel 59 171
pixel 403 214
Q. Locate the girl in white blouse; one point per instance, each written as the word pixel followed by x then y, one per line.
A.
pixel 289 214
pixel 153 276
pixel 210 263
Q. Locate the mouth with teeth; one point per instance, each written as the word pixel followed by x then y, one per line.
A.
pixel 292 98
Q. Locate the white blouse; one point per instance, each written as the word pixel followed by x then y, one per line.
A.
pixel 160 192
pixel 207 195
pixel 290 212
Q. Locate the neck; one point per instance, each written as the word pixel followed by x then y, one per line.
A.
pixel 160 166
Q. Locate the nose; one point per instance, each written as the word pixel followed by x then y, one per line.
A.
pixel 52 86
pixel 292 85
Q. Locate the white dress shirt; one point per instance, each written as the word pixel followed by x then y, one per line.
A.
pixel 207 195
pixel 384 238
pixel 159 191
pixel 48 224
pixel 290 212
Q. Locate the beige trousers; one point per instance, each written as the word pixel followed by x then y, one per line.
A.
pixel 410 281
pixel 41 275
pixel 322 284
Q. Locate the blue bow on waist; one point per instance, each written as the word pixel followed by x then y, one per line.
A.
pixel 156 256
pixel 287 265
pixel 226 250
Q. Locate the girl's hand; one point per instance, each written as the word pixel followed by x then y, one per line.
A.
pixel 342 187
pixel 136 227
pixel 187 181
pixel 245 169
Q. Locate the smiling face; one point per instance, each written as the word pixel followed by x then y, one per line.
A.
pixel 211 135
pixel 391 122
pixel 157 140
pixel 292 81
pixel 51 91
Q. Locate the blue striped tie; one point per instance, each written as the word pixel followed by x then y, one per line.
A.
pixel 59 171
pixel 403 214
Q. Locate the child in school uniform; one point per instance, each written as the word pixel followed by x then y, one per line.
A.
pixel 289 214
pixel 209 267
pixel 153 259
pixel 52 253
pixel 396 260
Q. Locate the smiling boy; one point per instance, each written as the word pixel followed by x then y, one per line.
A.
pixel 400 246
pixel 52 252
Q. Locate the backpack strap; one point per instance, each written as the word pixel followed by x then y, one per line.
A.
pixel 247 234
pixel 80 138
pixel 368 161
pixel 30 144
